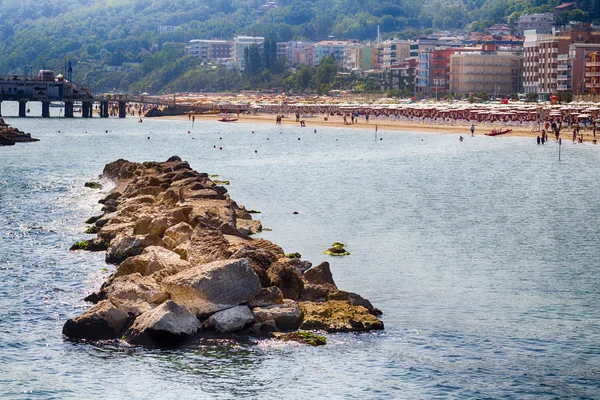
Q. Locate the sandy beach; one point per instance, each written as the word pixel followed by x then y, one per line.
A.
pixel 387 124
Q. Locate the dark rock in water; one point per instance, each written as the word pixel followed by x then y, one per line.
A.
pixel 287 279
pixel 304 337
pixel 166 325
pixel 278 317
pixel 92 220
pixel 95 297
pixel 93 185
pixel 102 321
pixel 174 159
pixel 96 244
pixel 5 141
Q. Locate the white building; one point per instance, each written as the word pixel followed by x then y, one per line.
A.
pixel 210 50
pixel 240 43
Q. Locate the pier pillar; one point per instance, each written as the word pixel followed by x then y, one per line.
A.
pixel 86 109
pixel 104 109
pixel 22 109
pixel 45 109
pixel 68 109
pixel 122 109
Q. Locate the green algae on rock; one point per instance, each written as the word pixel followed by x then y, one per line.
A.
pixel 304 337
pixel 92 229
pixel 337 249
pixel 93 185
pixel 294 255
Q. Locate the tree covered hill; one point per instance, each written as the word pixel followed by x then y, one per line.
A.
pixel 92 34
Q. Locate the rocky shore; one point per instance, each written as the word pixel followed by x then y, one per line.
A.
pixel 187 265
pixel 9 136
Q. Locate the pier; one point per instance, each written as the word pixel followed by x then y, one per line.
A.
pixel 47 89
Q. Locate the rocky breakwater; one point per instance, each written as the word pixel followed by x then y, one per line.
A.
pixel 9 135
pixel 187 266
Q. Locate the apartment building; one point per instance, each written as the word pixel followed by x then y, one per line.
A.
pixel 497 72
pixel 210 50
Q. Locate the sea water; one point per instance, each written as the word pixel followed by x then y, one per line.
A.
pixel 483 256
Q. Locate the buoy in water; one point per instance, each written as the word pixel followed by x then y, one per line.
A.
pixel 148 137
pixel 188 131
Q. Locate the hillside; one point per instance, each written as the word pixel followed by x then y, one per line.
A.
pixel 93 34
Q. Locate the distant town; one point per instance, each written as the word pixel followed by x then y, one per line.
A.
pixel 534 56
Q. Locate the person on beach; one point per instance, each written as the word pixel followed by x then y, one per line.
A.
pixel 461 139
pixel 538 139
pixel 472 129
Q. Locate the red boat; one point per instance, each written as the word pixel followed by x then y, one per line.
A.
pixel 496 132
pixel 225 119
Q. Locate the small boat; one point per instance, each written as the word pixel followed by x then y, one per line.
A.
pixel 496 132
pixel 225 119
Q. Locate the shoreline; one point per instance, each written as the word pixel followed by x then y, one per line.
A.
pixel 385 124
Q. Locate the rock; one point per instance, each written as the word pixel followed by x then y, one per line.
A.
pixel 249 226
pixel 135 294
pixel 177 234
pixel 157 227
pixel 337 316
pixel 300 265
pixel 90 245
pixel 93 219
pixel 231 320
pixel 267 297
pixel 304 337
pixel 260 259
pixel 153 259
pixel 287 279
pixel 166 325
pixel 142 225
pixel 102 321
pixel 204 246
pixel 337 249
pixel 109 231
pixel 93 185
pixel 207 288
pixel 281 317
pixel 317 293
pixel 319 275
pixel 128 246
pixel 355 300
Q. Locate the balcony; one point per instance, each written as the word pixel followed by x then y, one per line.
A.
pixel 592 85
pixel 564 67
pixel 592 64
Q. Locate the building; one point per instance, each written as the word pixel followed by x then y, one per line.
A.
pixel 433 70
pixel 402 76
pixel 358 57
pixel 390 52
pixel 541 69
pixel 296 53
pixel 584 60
pixel 541 23
pixel 499 29
pixel 496 72
pixel 210 50
pixel 241 43
pixel 337 48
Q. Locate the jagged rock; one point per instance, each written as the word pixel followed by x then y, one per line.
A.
pixel 355 300
pixel 135 294
pixel 249 226
pixel 128 246
pixel 177 234
pixel 152 260
pixel 96 244
pixel 207 288
pixel 231 320
pixel 166 325
pixel 260 259
pixel 337 316
pixel 319 275
pixel 278 317
pixel 142 225
pixel 157 227
pixel 102 321
pixel 109 231
pixel 287 279
pixel 267 297
pixel 300 265
pixel 204 246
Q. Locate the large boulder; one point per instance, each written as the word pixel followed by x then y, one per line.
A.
pixel 102 321
pixel 260 259
pixel 337 316
pixel 135 294
pixel 207 288
pixel 318 293
pixel 128 246
pixel 231 320
pixel 287 278
pixel 166 325
pixel 277 317
pixel 152 260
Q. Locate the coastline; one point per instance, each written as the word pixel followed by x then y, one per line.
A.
pixel 385 124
